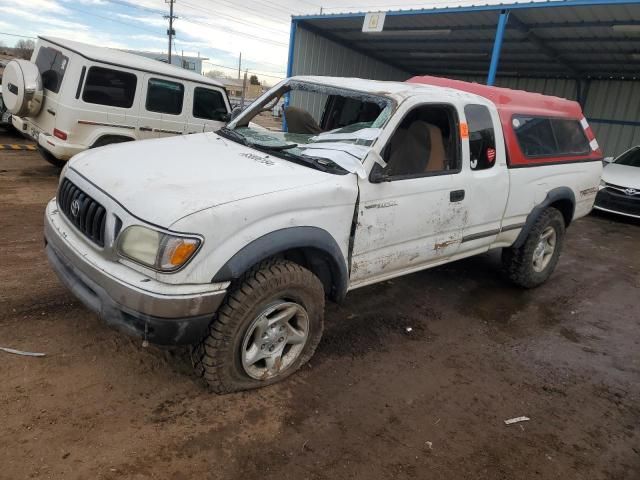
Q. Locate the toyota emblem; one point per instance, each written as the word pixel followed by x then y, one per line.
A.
pixel 630 191
pixel 75 208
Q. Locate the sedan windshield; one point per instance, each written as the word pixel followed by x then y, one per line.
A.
pixel 322 126
pixel 630 158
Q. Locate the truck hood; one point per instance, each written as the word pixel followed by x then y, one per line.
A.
pixel 163 180
pixel 622 175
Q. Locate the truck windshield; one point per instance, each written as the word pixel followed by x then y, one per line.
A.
pixel 630 158
pixel 321 126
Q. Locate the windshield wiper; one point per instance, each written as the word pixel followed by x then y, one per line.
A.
pixel 275 148
pixel 233 135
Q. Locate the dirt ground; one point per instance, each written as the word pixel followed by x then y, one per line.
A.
pixel 376 402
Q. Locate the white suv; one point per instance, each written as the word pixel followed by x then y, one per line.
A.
pixel 73 96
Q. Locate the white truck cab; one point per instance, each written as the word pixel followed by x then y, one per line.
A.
pixel 232 240
pixel 71 97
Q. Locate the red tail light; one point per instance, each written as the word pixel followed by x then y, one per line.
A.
pixel 60 134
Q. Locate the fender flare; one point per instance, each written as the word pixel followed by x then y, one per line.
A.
pixel 285 239
pixel 121 139
pixel 554 195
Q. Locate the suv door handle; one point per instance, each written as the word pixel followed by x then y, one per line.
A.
pixel 456 195
pixel 145 129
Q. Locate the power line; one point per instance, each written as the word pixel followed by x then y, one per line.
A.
pixel 239 20
pixel 234 68
pixel 16 35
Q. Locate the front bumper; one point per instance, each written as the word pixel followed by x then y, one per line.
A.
pixel 140 306
pixel 616 201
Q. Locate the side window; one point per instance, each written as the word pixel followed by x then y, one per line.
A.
pixel 543 137
pixel 482 139
pixel 164 96
pixel 209 104
pixel 425 143
pixel 51 64
pixel 113 88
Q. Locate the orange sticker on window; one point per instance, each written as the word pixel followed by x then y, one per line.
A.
pixel 464 130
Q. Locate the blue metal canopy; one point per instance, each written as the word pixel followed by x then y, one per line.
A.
pixel 578 39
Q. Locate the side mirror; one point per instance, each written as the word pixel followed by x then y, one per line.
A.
pixel 234 113
pixel 377 174
pixel 607 160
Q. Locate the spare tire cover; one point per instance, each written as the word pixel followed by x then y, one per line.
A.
pixel 22 88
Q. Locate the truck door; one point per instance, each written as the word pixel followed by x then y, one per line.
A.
pixel 161 108
pixel 412 212
pixel 208 111
pixel 486 177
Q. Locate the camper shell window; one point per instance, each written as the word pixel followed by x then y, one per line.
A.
pixel 547 137
pixel 113 88
pixel 52 65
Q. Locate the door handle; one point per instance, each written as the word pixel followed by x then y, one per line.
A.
pixel 145 129
pixel 456 195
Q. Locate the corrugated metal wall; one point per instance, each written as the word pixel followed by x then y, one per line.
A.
pixel 606 100
pixel 316 55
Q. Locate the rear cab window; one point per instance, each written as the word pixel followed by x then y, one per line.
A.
pixel 164 96
pixel 482 138
pixel 52 65
pixel 113 88
pixel 541 137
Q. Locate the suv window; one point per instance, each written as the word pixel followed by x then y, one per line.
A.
pixel 425 143
pixel 544 137
pixel 51 64
pixel 164 96
pixel 482 139
pixel 209 104
pixel 113 88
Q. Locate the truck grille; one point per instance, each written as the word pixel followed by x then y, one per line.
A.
pixel 618 202
pixel 83 211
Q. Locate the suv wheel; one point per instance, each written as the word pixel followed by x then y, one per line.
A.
pixel 534 261
pixel 268 327
pixel 48 156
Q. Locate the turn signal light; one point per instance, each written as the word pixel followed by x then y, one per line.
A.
pixel 182 252
pixel 59 134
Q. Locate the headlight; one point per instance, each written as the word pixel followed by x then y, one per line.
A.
pixel 157 250
pixel 603 183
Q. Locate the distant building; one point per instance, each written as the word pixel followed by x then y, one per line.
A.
pixel 234 88
pixel 181 61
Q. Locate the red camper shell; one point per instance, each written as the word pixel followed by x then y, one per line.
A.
pixel 538 129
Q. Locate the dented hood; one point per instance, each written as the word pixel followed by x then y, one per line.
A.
pixel 161 181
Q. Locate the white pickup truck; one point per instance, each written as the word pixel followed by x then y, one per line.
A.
pixel 231 241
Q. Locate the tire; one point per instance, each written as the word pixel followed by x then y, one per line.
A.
pixel 523 265
pixel 48 156
pixel 246 328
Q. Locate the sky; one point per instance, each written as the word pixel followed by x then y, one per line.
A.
pixel 217 29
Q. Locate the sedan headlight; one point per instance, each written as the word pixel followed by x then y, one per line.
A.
pixel 160 251
pixel 603 183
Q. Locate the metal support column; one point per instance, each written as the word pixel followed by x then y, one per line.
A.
pixel 292 41
pixel 497 47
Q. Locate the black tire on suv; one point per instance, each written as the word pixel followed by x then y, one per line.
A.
pixel 50 158
pixel 268 327
pixel 534 261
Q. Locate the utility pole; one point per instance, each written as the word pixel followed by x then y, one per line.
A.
pixel 171 32
pixel 239 65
